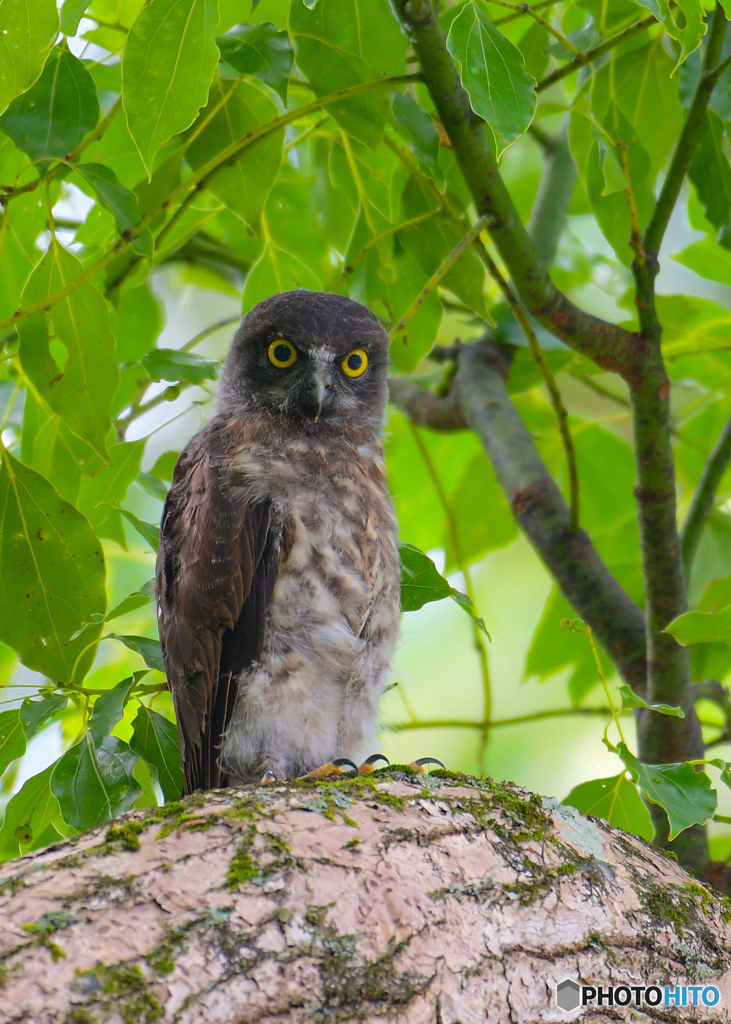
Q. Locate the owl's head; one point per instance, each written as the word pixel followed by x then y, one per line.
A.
pixel 316 359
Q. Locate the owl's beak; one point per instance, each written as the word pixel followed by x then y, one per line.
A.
pixel 315 395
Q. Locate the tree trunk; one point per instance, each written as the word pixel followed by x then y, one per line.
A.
pixel 382 898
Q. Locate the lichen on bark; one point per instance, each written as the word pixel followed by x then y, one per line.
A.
pixel 389 897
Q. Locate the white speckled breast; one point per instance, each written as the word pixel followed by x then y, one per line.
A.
pixel 333 622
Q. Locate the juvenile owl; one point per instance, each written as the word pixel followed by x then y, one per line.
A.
pixel 278 573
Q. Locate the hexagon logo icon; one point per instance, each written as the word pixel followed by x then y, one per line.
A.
pixel 567 995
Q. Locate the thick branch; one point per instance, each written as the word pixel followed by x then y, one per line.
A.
pixel 705 492
pixel 539 508
pixel 607 344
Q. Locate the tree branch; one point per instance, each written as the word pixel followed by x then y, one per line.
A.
pixel 702 501
pixel 480 395
pixel 710 73
pixel 548 217
pixel 594 52
pixel 608 345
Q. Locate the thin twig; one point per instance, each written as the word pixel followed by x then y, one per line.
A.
pixel 526 9
pixel 457 723
pixel 593 52
pixel 377 239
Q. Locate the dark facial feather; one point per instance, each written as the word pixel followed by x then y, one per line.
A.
pixel 324 329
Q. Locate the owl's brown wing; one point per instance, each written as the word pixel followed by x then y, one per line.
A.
pixel 216 570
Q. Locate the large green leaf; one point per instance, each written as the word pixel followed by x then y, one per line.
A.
pixel 616 800
pixel 244 186
pixel 685 795
pixel 54 115
pixel 12 737
pixel 78 378
pixel 155 739
pixel 51 571
pixel 112 195
pixel 710 171
pixel 421 582
pixel 27 30
pixel 702 627
pixel 708 259
pixel 147 648
pixel 173 365
pixel 340 43
pixel 692 325
pixel 108 710
pixel 109 487
pixel 260 50
pixel 93 783
pixel 683 22
pixel 276 270
pixel 493 72
pixel 28 815
pixel 168 64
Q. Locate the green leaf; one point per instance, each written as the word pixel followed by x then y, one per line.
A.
pixel 701 627
pixel 149 531
pixel 28 814
pixel 717 595
pixel 710 172
pixel 687 27
pixel 54 115
pixel 616 800
pixel 415 125
pixel 130 604
pixel 12 737
pixel 173 365
pixel 493 74
pixel 78 378
pixel 35 714
pixel 27 30
pixel 466 605
pixel 276 270
pixel 155 739
pixel 260 50
pixel 148 649
pixel 692 325
pixel 94 783
pixel 112 195
pixel 685 795
pixel 168 64
pixel 108 487
pixel 108 709
pixel 631 700
pixel 136 323
pixel 72 11
pixel 341 43
pixel 245 185
pixel 420 580
pixel 707 258
pixel 52 568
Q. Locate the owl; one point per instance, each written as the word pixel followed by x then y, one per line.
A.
pixel 278 573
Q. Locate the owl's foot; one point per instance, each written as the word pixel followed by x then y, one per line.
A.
pixel 368 765
pixel 419 766
pixel 331 768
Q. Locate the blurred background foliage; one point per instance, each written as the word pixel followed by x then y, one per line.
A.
pixel 99 395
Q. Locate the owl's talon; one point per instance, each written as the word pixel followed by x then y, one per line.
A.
pixel 331 768
pixel 367 767
pixel 268 778
pixel 418 766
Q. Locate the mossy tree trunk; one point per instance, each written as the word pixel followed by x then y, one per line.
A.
pixel 390 897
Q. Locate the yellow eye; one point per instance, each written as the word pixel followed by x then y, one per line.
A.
pixel 356 364
pixel 282 353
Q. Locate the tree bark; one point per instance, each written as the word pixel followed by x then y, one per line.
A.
pixel 391 897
